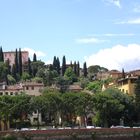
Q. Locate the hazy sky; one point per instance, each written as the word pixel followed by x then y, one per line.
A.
pixel 103 32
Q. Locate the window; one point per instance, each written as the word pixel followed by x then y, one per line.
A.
pixel 6 93
pixel 32 87
pixel 1 93
pixel 27 88
pixel 11 93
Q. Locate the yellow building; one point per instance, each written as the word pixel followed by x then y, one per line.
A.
pixel 127 85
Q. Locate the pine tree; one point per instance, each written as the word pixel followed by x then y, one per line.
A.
pixel 63 65
pixel 85 70
pixel 20 62
pixel 34 57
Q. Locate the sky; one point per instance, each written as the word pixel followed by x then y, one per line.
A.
pixel 98 32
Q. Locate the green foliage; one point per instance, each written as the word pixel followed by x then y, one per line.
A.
pixel 70 75
pixel 137 98
pixel 37 79
pixel 95 86
pixel 8 137
pixel 25 76
pixel 85 72
pixel 1 55
pixel 36 65
pixel 3 71
pixel 93 135
pixel 96 68
pixel 11 79
pixel 34 57
pixel 63 65
pixel 20 62
pixel 112 105
pixel 84 82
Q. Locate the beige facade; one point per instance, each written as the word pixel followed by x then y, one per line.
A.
pixel 33 88
pixel 30 88
pixel 127 85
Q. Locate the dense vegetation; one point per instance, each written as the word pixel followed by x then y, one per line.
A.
pixel 110 107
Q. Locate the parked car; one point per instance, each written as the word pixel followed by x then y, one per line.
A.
pixel 89 127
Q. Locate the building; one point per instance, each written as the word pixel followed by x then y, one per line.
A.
pixel 127 85
pixel 115 74
pixel 11 57
pixel 32 88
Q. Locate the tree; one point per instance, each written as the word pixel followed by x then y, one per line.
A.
pixel 54 63
pixel 53 103
pixel 16 62
pixel 95 86
pixel 1 55
pixel 21 108
pixel 5 111
pixel 123 73
pixel 70 75
pixel 58 66
pixel 25 76
pixel 11 80
pixel 38 105
pixel 20 62
pixel 75 68
pixel 36 66
pixel 14 74
pixel 85 70
pixel 112 106
pixel 34 57
pixel 78 69
pixel 137 97
pixel 63 65
pixel 8 66
pixel 3 71
pixel 29 67
pixel 69 110
pixel 84 106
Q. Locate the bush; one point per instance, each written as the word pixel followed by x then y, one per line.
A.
pixel 8 137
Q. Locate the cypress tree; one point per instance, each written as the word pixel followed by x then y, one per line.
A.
pixel 71 64
pixel 123 73
pixel 14 72
pixel 85 70
pixel 63 65
pixel 8 67
pixel 34 57
pixel 20 62
pixel 75 68
pixel 58 65
pixel 16 62
pixel 54 63
pixel 78 69
pixel 29 67
pixel 1 55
